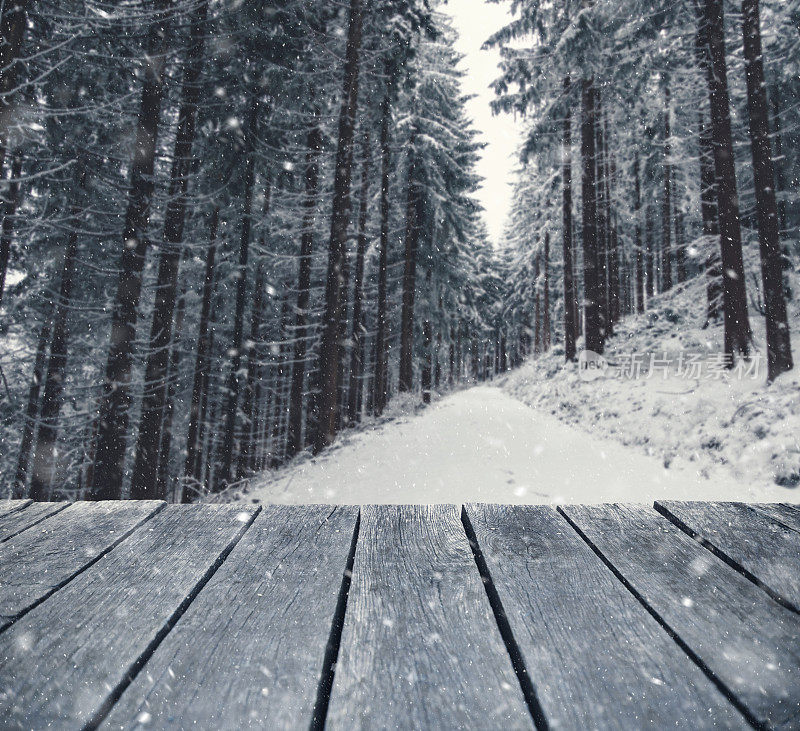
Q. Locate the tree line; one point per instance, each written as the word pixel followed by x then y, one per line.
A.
pixel 230 230
pixel 662 145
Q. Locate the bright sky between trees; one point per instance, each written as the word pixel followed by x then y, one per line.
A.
pixel 475 21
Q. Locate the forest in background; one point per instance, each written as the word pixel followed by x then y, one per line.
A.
pixel 662 153
pixel 230 229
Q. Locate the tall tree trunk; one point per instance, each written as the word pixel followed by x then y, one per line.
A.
pixel 116 399
pixel 666 215
pixel 637 241
pixel 427 347
pixel 592 286
pixel 570 300
pixel 613 240
pixel 379 381
pixel 193 443
pixel 358 332
pixel 249 405
pixel 329 347
pixel 145 471
pixel 737 324
pixel 780 181
pixel 601 210
pixel 278 452
pixel 294 440
pixel 44 461
pixel 13 22
pixel 537 313
pixel 413 222
pixel 173 376
pixel 225 474
pixel 650 287
pixel 9 218
pixel 546 296
pixel 779 349
pixel 32 411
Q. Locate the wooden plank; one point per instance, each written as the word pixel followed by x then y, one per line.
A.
pixel 765 551
pixel 12 506
pixel 595 656
pixel 65 661
pixel 783 513
pixel 420 646
pixel 12 524
pixel 271 605
pixel 46 556
pixel 749 642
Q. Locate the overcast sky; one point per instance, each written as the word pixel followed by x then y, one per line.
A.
pixel 475 21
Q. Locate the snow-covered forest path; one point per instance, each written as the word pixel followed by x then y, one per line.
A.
pixel 482 445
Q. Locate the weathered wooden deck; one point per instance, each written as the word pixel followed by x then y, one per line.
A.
pixel 136 614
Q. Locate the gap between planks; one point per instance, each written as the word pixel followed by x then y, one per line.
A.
pixel 691 654
pixel 725 557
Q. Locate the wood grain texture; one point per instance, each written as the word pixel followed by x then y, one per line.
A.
pixel 766 551
pixel 14 523
pixel 420 646
pixel 595 656
pixel 12 506
pixel 47 555
pixel 786 514
pixel 749 642
pixel 66 659
pixel 250 649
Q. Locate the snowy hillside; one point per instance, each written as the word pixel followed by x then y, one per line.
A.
pixel 727 426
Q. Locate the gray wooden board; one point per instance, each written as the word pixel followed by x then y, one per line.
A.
pixel 12 506
pixel 785 514
pixel 249 651
pixel 420 646
pixel 46 555
pixel 14 523
pixel 64 660
pixel 595 656
pixel 766 550
pixel 749 642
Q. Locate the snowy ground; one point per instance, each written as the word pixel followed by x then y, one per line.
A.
pixel 726 427
pixel 541 434
pixel 482 445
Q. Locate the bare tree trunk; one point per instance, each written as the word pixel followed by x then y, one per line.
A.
pixel 294 440
pixel 380 378
pixel 648 253
pixel 737 324
pixel 329 347
pixel 546 296
pixel 116 399
pixel 666 215
pixel 570 299
pixel 193 443
pixel 13 22
pixel 173 374
pixel 225 474
pixel 779 349
pixel 592 286
pixel 356 359
pixel 249 405
pixel 32 412
pixel 10 205
pixel 601 209
pixel 413 206
pixel 427 345
pixel 145 471
pixel 780 181
pixel 637 241
pixel 44 461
